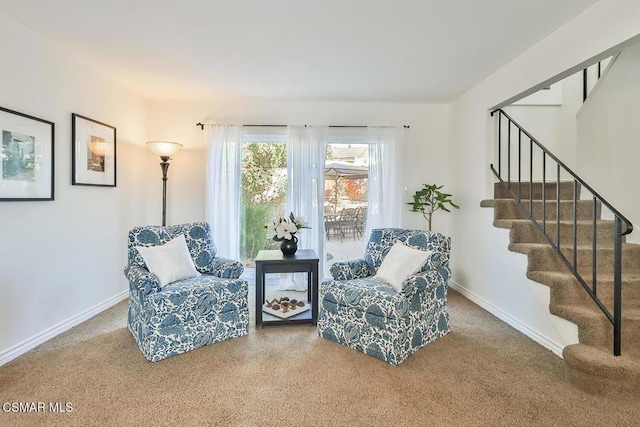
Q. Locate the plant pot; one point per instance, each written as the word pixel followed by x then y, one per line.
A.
pixel 289 247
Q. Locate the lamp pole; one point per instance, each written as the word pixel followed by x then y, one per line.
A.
pixel 164 164
pixel 165 150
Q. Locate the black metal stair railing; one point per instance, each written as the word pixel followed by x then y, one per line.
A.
pixel 504 120
pixel 585 80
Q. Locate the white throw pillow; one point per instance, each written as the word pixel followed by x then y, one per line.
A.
pixel 169 262
pixel 400 263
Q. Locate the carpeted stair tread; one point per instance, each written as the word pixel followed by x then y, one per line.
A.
pixel 595 329
pixel 632 248
pixel 489 203
pixel 631 314
pixel 509 208
pixel 525 231
pixel 631 280
pixel 539 275
pixel 600 361
pixel 566 289
pixel 577 312
pixel 535 189
pixel 524 248
pixel 523 200
pixel 541 256
pixel 604 281
pixel 509 222
pixel 592 311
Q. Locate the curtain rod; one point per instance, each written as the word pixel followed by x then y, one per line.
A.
pixel 284 126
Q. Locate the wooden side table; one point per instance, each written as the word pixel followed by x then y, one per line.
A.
pixel 304 260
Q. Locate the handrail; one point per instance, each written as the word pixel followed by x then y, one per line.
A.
pixel 616 317
pixel 566 168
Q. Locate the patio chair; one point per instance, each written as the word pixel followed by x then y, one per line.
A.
pixel 347 220
pixel 361 220
pixel 331 222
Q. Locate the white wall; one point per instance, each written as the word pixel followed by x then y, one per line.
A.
pixel 477 267
pixel 554 126
pixel 60 258
pixel 609 136
pixel 425 158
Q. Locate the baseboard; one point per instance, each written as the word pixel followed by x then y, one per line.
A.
pixel 28 344
pixel 509 320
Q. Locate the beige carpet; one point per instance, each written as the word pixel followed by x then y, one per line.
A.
pixel 483 373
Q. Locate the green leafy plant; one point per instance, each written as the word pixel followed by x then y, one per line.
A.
pixel 253 236
pixel 429 200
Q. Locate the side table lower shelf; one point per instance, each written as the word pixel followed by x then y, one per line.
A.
pixel 303 261
pixel 281 314
pixel 303 317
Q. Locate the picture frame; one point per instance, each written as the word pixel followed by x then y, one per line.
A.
pixel 26 157
pixel 93 152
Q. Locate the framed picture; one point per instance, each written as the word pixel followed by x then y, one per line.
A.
pixel 26 153
pixel 93 157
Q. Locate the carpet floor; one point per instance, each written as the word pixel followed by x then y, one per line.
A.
pixel 483 373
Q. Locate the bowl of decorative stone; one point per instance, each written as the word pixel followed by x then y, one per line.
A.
pixel 285 307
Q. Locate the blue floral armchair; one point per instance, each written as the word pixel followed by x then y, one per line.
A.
pixel 189 313
pixel 369 315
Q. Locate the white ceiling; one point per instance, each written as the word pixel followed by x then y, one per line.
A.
pixel 329 50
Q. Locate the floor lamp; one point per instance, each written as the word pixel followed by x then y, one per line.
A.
pixel 165 150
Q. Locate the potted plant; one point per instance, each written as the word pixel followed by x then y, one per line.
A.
pixel 284 230
pixel 429 200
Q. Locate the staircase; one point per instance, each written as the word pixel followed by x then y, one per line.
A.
pixel 549 221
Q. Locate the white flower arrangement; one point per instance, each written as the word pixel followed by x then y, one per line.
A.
pixel 285 228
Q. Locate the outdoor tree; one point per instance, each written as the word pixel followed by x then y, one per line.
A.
pixel 356 189
pixel 264 177
pixel 264 188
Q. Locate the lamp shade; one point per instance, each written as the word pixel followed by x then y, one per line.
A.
pixel 164 148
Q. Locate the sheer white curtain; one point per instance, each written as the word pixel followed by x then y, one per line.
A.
pixel 223 191
pixel 306 153
pixel 385 144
